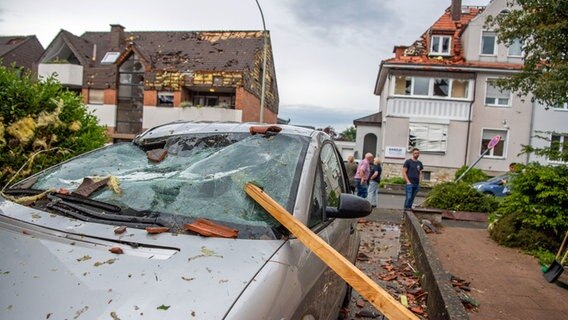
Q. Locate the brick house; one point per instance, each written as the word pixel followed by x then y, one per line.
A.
pixel 437 95
pixel 136 80
pixel 23 51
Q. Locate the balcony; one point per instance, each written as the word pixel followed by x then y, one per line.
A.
pixel 428 108
pixel 154 116
pixel 68 74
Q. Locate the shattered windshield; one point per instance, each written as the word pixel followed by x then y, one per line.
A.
pixel 201 176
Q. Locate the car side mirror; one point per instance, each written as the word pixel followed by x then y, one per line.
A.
pixel 350 206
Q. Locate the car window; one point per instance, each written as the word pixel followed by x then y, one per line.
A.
pixel 317 202
pixel 203 175
pixel 332 175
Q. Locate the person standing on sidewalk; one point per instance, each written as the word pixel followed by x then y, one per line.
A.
pixel 362 175
pixel 351 168
pixel 374 180
pixel 411 172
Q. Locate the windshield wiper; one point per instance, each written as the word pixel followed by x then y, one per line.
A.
pixel 68 197
pixel 86 214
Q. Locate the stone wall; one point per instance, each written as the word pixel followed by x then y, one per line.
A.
pixel 437 175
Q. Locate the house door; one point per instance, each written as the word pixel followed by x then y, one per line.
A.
pixel 129 112
pixel 370 144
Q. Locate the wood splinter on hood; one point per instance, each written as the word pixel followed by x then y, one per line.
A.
pixel 116 250
pixel 264 129
pixel 208 228
pixel 156 230
pixel 88 186
pixel 157 155
pixel 120 230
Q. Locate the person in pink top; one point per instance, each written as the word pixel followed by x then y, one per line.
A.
pixel 362 175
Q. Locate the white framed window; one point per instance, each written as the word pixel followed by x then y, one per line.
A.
pixel 488 43
pixel 110 57
pixel 436 88
pixel 499 151
pixel 441 45
pixel 429 137
pixel 495 96
pixel 558 146
pixel 561 107
pixel 515 48
pixel 420 86
pixel 96 96
pixel 165 99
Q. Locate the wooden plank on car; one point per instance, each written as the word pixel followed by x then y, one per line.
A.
pixel 364 285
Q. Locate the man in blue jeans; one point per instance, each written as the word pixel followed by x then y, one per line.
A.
pixel 411 172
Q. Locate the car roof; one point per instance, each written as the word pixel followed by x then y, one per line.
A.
pixel 188 127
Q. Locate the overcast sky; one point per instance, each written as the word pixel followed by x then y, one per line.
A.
pixel 326 52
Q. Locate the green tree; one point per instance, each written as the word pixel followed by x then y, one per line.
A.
pixel 41 124
pixel 542 28
pixel 348 134
pixel 553 151
pixel 534 215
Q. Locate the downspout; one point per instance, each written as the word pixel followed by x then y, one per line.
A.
pixel 531 129
pixel 469 122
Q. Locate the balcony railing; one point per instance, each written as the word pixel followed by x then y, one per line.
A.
pixel 425 108
pixel 68 74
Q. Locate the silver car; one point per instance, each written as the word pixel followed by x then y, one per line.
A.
pixel 108 234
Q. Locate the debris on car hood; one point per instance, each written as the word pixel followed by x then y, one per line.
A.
pixel 264 129
pixel 93 274
pixel 208 228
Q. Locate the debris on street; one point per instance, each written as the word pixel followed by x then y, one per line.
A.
pixel 385 255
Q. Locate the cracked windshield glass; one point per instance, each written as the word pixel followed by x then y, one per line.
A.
pixel 196 170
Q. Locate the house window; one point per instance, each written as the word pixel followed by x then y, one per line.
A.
pixel 460 89
pixel 431 87
pixel 561 106
pixel 402 85
pixel 515 48
pixel 495 96
pixel 441 87
pixel 499 149
pixel 205 101
pixel 429 137
pixel 96 96
pixel 110 57
pixel 420 86
pixel 440 45
pixel 488 43
pixel 558 147
pixel 426 176
pixel 165 99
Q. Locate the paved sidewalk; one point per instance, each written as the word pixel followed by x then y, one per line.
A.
pixel 507 283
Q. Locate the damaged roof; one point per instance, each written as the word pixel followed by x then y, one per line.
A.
pixel 418 56
pixel 445 25
pixel 185 50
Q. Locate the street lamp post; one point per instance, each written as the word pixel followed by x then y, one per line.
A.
pixel 262 87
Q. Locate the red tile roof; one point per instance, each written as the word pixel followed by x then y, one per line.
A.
pixel 418 52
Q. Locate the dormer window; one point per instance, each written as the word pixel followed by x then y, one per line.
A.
pixel 440 45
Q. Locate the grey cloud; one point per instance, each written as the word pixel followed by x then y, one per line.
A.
pixel 344 18
pixel 321 117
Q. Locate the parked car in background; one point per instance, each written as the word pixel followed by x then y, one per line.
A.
pixel 496 186
pixel 162 228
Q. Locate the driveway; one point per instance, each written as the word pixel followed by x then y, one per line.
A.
pixel 507 284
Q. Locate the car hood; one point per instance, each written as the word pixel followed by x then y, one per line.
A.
pixel 52 267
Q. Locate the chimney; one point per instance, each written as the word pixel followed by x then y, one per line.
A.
pixel 116 37
pixel 456 10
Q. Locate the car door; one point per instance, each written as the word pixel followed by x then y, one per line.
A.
pixel 327 288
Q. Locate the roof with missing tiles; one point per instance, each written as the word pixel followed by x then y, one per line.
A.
pixel 418 52
pixel 186 50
